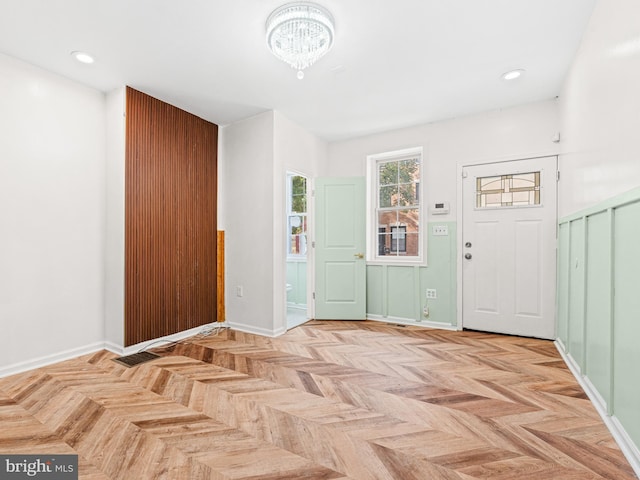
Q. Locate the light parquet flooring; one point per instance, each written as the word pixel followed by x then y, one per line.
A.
pixel 327 400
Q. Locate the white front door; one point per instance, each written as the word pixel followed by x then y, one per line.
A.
pixel 508 247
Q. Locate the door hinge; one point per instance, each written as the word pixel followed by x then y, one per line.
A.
pixel 558 176
pixel 313 295
pixel 313 244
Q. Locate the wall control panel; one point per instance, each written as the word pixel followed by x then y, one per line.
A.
pixel 439 208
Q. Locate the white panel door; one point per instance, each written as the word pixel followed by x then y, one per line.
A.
pixel 340 245
pixel 509 247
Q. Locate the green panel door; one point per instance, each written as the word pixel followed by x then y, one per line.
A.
pixel 340 249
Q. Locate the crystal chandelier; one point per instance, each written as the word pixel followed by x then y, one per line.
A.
pixel 300 33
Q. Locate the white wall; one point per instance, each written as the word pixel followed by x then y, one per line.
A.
pixel 600 109
pixel 295 150
pixel 512 133
pixel 246 149
pixel 114 242
pixel 52 206
pixel 255 155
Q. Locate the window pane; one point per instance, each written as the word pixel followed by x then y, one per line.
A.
pixel 492 199
pixel 409 219
pixel 490 183
pixel 297 226
pixel 508 190
pixel 398 239
pixel 408 195
pixel 299 204
pixel 525 180
pixel 398 232
pixel 408 171
pixel 384 243
pixel 523 198
pixel 388 173
pixel 382 240
pixel 298 194
pixel 298 245
pixel 298 185
pixel 412 241
pixel 388 196
pixel 387 218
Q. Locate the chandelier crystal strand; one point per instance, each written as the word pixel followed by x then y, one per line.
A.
pixel 300 33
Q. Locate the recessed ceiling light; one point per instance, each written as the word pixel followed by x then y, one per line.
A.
pixel 513 74
pixel 82 57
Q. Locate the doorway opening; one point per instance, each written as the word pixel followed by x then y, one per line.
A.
pixel 297 235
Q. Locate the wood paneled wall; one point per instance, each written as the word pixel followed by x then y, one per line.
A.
pixel 170 219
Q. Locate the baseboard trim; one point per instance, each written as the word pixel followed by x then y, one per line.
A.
pixel 257 330
pixel 633 453
pixel 297 306
pixel 408 321
pixel 46 360
pixel 620 435
pixel 106 345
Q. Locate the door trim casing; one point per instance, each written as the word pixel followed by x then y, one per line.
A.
pixel 459 206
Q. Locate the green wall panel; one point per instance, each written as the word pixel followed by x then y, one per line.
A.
pixel 598 304
pixel 576 291
pixel 626 338
pixel 401 287
pixel 563 283
pixel 297 278
pixel 399 291
pixel 375 290
pixel 442 276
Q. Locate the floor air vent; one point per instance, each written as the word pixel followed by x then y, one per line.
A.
pixel 136 358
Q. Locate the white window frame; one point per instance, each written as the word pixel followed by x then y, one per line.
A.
pixel 373 256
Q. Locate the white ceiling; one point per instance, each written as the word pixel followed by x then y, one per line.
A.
pixel 394 63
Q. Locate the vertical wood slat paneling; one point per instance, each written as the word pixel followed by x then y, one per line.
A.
pixel 170 219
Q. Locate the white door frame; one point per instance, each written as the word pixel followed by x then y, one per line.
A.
pixel 459 206
pixel 311 247
pixel 310 250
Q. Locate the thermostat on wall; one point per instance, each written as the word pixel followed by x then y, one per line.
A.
pixel 440 208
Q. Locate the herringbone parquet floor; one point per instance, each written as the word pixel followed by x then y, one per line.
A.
pixel 328 400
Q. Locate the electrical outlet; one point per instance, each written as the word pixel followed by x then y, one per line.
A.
pixel 425 311
pixel 239 291
pixel 431 293
pixel 440 230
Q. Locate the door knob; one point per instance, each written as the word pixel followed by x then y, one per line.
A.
pixel 467 256
pixel 359 255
